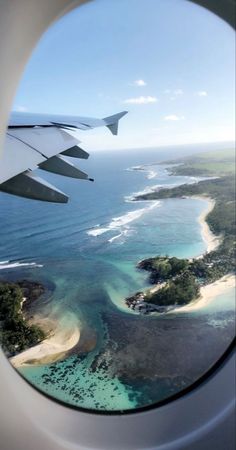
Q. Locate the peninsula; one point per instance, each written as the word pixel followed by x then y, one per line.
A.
pixel 29 338
pixel 179 282
pixel 16 332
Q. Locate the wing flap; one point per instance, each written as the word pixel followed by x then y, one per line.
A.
pixel 17 157
pixel 61 166
pixel 76 152
pixel 29 149
pixel 29 185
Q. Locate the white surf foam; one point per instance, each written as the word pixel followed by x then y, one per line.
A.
pixel 122 222
pixel 147 190
pixel 151 173
pixel 115 237
pixel 126 232
pixel 97 231
pixel 134 168
pixel 15 264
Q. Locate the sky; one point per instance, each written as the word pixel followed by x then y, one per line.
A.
pixel 169 63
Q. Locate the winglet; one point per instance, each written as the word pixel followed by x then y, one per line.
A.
pixel 112 122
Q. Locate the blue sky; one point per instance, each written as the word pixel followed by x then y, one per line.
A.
pixel 170 63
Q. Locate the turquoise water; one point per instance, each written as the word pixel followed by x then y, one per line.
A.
pixel 88 251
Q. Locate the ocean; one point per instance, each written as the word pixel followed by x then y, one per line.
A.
pixel 87 252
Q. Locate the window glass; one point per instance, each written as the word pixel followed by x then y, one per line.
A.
pixel 125 295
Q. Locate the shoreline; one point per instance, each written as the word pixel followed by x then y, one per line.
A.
pixel 208 293
pixel 212 241
pixel 62 338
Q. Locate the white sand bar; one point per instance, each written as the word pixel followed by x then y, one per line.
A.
pixel 52 349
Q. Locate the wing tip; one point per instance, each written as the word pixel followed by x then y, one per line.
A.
pixel 112 122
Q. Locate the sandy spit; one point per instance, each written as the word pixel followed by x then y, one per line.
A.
pixel 60 341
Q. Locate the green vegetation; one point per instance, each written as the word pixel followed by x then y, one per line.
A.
pixel 179 291
pixel 209 164
pixel 163 268
pixel 221 189
pixel 215 155
pixel 183 278
pixel 183 281
pixel 15 333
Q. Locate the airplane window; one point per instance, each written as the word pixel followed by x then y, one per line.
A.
pixel 123 297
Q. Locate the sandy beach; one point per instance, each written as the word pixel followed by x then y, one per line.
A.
pixel 209 238
pixel 156 288
pixel 62 338
pixel 208 293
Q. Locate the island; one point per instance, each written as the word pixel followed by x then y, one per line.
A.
pixel 179 282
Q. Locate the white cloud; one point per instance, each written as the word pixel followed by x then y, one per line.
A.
pixel 141 100
pixel 202 93
pixel 140 83
pixel 20 108
pixel 173 117
pixel 178 92
pixel 174 93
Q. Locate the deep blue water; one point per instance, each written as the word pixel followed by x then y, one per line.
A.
pixel 89 249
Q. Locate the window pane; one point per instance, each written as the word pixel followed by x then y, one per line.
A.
pixel 125 295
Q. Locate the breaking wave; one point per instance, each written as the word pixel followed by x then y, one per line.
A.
pixel 121 223
pixel 147 190
pixel 151 173
pixel 15 264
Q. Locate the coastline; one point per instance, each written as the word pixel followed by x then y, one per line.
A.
pixel 212 241
pixel 208 293
pixel 62 338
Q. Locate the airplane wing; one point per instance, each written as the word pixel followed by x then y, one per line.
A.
pixel 38 141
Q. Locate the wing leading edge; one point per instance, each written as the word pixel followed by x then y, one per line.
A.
pixel 35 141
